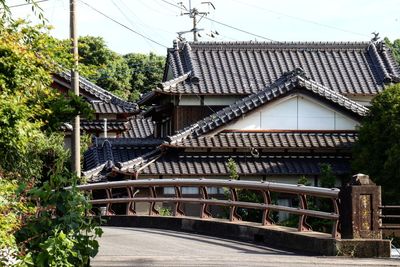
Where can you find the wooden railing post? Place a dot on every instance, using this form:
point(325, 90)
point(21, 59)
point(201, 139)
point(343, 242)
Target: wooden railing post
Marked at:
point(359, 209)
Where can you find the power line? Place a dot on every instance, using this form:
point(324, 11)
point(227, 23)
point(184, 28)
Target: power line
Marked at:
point(302, 19)
point(28, 4)
point(127, 18)
point(244, 31)
point(123, 25)
point(223, 24)
point(172, 4)
point(142, 23)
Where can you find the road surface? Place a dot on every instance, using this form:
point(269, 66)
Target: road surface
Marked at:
point(152, 247)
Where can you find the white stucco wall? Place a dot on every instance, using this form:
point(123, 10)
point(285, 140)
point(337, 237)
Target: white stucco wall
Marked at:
point(296, 112)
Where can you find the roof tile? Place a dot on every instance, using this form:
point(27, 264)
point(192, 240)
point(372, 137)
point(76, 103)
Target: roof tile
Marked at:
point(247, 67)
point(139, 128)
point(213, 165)
point(273, 140)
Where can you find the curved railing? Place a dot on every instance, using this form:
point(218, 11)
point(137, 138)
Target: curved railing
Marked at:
point(203, 199)
point(390, 217)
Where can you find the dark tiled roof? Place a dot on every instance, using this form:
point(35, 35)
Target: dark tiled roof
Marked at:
point(139, 128)
point(98, 126)
point(147, 97)
point(115, 150)
point(107, 101)
point(108, 108)
point(289, 82)
point(273, 140)
point(247, 67)
point(215, 165)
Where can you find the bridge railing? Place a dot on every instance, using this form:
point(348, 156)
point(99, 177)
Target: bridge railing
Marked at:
point(233, 203)
point(390, 216)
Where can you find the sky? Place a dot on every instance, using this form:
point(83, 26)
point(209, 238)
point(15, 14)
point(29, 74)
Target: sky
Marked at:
point(160, 20)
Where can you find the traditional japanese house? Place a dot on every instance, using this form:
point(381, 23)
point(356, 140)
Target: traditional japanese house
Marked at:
point(111, 113)
point(279, 110)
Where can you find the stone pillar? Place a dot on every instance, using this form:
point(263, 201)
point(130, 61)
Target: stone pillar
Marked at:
point(359, 209)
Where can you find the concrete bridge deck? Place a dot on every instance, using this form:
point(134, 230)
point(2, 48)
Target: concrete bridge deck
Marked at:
point(153, 247)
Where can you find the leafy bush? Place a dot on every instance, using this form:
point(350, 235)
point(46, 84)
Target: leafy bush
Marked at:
point(377, 151)
point(42, 224)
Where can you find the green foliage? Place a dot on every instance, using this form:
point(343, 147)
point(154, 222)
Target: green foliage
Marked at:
point(232, 168)
point(303, 180)
point(57, 250)
point(102, 66)
point(251, 215)
point(11, 207)
point(165, 211)
point(41, 218)
point(65, 109)
point(62, 249)
point(61, 233)
point(146, 70)
point(127, 76)
point(395, 47)
point(377, 151)
point(327, 178)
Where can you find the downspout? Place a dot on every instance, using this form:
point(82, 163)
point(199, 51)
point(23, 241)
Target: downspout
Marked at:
point(105, 128)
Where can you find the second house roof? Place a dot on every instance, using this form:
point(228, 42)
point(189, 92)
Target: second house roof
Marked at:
point(231, 68)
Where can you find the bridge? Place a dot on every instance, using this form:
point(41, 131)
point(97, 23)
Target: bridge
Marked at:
point(144, 247)
point(355, 214)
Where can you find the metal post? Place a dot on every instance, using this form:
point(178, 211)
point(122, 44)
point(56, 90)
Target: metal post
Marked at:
point(76, 146)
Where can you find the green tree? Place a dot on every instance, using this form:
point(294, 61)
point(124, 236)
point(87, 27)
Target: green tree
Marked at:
point(232, 169)
point(304, 181)
point(38, 215)
point(102, 66)
point(395, 47)
point(327, 178)
point(128, 76)
point(377, 151)
point(146, 72)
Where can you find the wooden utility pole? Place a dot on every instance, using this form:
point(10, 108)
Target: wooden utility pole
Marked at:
point(76, 134)
point(193, 13)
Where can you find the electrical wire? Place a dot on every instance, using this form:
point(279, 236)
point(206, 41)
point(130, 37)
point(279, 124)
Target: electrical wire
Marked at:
point(240, 30)
point(129, 20)
point(27, 4)
point(300, 19)
point(123, 25)
point(140, 23)
point(174, 5)
point(224, 24)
